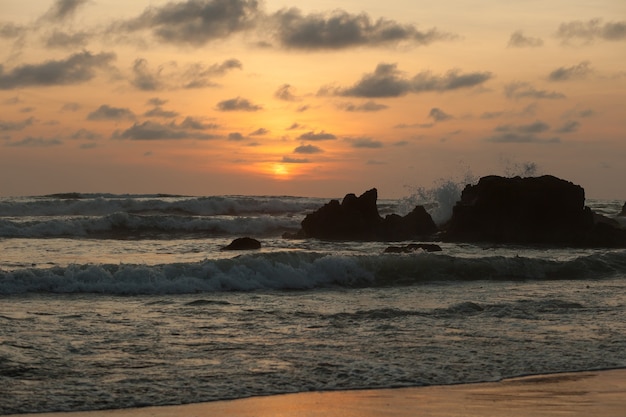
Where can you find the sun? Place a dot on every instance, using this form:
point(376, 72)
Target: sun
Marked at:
point(280, 171)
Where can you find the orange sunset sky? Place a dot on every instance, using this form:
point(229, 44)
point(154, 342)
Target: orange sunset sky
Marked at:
point(275, 97)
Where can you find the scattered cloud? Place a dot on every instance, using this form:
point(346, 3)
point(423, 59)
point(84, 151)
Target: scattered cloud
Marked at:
point(35, 142)
point(155, 101)
point(340, 29)
point(290, 160)
point(518, 90)
point(317, 136)
point(260, 132)
point(75, 69)
point(285, 92)
point(439, 115)
point(159, 112)
point(64, 40)
point(155, 131)
point(579, 71)
point(195, 124)
point(308, 149)
point(388, 81)
point(193, 22)
point(71, 107)
point(170, 75)
point(8, 126)
point(591, 30)
point(106, 112)
point(295, 126)
point(63, 9)
point(85, 134)
point(9, 30)
point(365, 143)
point(519, 40)
point(237, 104)
point(569, 127)
point(527, 133)
point(236, 136)
point(368, 106)
point(536, 127)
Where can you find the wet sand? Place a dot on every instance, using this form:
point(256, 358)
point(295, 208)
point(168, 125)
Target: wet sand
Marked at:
point(591, 393)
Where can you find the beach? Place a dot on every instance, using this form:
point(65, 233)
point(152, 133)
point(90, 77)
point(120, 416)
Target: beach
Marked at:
point(597, 393)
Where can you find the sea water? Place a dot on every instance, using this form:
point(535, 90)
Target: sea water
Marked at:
point(110, 301)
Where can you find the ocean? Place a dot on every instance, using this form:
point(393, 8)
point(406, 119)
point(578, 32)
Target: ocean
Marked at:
point(113, 301)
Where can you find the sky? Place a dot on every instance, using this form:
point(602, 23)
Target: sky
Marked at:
point(324, 98)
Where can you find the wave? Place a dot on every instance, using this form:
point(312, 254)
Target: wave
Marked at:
point(295, 270)
point(126, 225)
point(73, 204)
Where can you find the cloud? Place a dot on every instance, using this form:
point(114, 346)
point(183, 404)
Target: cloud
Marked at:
point(71, 107)
point(237, 104)
point(235, 136)
point(285, 92)
point(308, 149)
point(439, 115)
point(295, 126)
point(317, 136)
point(388, 81)
point(106, 112)
point(58, 39)
point(369, 106)
point(155, 101)
point(519, 40)
point(569, 127)
point(260, 132)
point(365, 143)
point(169, 75)
point(85, 134)
point(198, 76)
point(290, 160)
point(517, 90)
point(195, 124)
point(193, 22)
point(536, 127)
point(75, 69)
point(144, 79)
point(9, 30)
point(340, 29)
point(579, 71)
point(527, 133)
point(159, 112)
point(155, 131)
point(63, 9)
point(590, 30)
point(8, 126)
point(35, 142)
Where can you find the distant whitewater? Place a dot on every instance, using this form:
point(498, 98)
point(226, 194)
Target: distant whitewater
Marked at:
point(127, 300)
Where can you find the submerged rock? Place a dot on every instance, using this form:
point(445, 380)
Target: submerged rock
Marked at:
point(357, 218)
point(412, 247)
point(243, 243)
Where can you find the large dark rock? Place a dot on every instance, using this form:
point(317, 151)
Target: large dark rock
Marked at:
point(357, 218)
point(535, 210)
point(623, 213)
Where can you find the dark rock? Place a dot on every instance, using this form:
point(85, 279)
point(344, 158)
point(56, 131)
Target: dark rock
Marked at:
point(357, 218)
point(243, 243)
point(412, 247)
point(534, 210)
point(623, 213)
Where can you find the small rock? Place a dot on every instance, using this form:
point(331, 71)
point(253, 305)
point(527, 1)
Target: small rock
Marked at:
point(243, 243)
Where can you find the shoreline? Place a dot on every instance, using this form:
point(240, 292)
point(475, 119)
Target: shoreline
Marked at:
point(601, 393)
